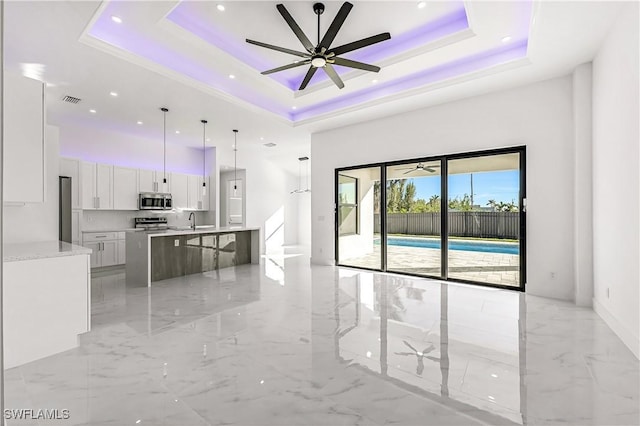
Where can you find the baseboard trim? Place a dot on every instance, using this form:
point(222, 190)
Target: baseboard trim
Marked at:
point(627, 337)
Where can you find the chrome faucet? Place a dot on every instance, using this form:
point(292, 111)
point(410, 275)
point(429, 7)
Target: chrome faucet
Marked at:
point(193, 215)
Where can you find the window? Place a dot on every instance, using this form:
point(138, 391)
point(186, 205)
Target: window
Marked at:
point(347, 205)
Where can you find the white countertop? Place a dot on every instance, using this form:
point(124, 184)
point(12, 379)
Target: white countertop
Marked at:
point(41, 250)
point(169, 232)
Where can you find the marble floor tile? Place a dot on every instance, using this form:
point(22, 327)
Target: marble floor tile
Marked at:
point(286, 343)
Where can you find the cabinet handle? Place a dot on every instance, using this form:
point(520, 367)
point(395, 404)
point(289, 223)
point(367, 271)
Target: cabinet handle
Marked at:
point(101, 236)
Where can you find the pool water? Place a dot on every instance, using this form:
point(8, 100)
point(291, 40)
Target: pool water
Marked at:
point(465, 245)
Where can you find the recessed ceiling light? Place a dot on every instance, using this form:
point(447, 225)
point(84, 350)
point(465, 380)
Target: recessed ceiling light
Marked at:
point(116, 19)
point(294, 107)
point(374, 81)
point(177, 132)
point(114, 94)
point(261, 138)
point(220, 7)
point(231, 76)
point(208, 139)
point(506, 39)
point(92, 111)
point(422, 4)
point(139, 122)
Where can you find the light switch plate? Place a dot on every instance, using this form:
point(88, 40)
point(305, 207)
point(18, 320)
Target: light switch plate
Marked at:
point(176, 243)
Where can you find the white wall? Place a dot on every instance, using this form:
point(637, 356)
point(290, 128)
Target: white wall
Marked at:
point(267, 192)
point(616, 179)
point(37, 222)
point(539, 116)
point(124, 150)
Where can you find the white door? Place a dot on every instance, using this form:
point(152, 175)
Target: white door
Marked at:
point(125, 188)
point(109, 253)
point(89, 186)
point(146, 181)
point(104, 186)
point(95, 253)
point(234, 202)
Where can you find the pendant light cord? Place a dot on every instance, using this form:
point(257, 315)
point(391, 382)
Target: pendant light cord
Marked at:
point(164, 148)
point(235, 159)
point(204, 136)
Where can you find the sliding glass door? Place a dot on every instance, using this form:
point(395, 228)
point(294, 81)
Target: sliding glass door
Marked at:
point(453, 217)
point(413, 218)
point(358, 208)
point(484, 219)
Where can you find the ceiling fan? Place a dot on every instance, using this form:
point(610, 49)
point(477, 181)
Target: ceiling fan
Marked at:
point(419, 166)
point(323, 55)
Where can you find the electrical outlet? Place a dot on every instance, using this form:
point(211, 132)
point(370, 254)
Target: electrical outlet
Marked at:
point(176, 243)
point(552, 275)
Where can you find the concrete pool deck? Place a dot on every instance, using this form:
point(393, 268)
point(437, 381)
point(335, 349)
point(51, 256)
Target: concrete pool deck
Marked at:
point(493, 268)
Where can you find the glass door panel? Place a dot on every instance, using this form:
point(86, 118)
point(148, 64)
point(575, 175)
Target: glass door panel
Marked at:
point(358, 213)
point(413, 197)
point(484, 219)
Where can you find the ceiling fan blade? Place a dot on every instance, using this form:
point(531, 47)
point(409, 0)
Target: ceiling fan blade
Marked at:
point(360, 43)
point(335, 26)
point(406, 168)
point(430, 170)
point(412, 170)
point(333, 75)
point(296, 29)
point(279, 49)
point(286, 67)
point(355, 64)
point(307, 78)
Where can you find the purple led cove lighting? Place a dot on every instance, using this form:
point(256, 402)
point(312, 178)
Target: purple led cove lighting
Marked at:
point(188, 17)
point(185, 16)
point(127, 38)
point(500, 55)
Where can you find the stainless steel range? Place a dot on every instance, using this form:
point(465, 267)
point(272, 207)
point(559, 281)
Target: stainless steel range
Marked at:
point(151, 223)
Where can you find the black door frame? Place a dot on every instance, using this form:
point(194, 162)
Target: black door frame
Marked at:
point(444, 159)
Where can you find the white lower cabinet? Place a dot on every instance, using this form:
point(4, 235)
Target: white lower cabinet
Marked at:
point(107, 248)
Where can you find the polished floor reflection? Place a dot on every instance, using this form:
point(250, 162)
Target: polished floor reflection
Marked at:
point(283, 343)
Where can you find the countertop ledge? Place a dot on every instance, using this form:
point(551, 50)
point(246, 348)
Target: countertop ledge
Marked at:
point(110, 230)
point(223, 230)
point(41, 250)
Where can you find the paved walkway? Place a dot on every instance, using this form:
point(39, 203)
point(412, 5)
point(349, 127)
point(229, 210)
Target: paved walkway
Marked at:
point(494, 268)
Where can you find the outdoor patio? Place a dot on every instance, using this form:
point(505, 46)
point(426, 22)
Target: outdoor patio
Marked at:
point(494, 268)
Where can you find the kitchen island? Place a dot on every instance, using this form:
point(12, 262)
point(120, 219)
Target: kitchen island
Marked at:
point(159, 255)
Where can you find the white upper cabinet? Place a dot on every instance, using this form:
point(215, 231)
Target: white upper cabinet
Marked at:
point(180, 190)
point(24, 174)
point(71, 167)
point(151, 181)
point(97, 186)
point(125, 188)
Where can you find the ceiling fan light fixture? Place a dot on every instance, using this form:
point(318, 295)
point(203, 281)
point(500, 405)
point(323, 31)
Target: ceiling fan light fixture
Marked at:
point(318, 62)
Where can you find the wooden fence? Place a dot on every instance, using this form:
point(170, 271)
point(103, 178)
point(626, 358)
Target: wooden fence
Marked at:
point(461, 224)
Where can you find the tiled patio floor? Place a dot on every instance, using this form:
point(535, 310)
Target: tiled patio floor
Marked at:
point(494, 268)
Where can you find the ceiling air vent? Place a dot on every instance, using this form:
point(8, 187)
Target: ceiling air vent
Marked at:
point(71, 99)
point(269, 145)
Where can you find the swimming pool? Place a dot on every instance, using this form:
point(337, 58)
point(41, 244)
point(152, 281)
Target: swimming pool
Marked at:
point(465, 245)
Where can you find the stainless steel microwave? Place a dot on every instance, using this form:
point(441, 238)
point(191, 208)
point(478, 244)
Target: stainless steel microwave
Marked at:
point(154, 201)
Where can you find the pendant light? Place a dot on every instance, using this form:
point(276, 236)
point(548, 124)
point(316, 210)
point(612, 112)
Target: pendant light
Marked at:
point(235, 162)
point(164, 149)
point(300, 190)
point(204, 136)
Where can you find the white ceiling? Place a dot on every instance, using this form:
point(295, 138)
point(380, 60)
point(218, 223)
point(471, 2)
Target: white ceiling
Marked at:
point(83, 57)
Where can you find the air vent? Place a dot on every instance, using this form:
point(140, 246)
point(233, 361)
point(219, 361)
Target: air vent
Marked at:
point(71, 99)
point(269, 145)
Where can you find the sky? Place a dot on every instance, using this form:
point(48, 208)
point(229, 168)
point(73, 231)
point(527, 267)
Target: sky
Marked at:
point(499, 186)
